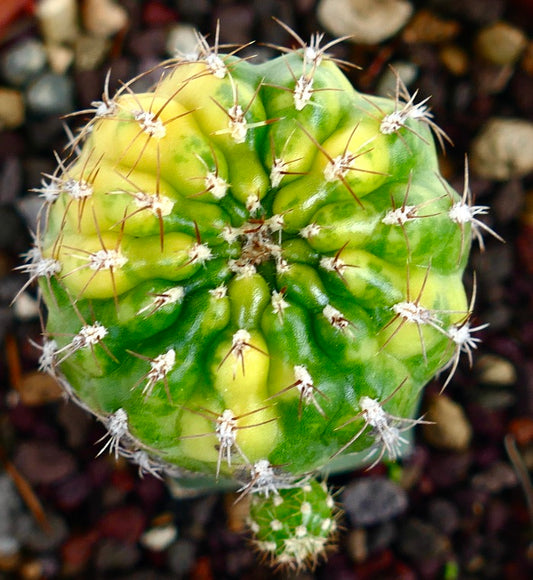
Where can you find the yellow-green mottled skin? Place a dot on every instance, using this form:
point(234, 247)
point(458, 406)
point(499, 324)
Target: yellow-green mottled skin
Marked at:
point(330, 252)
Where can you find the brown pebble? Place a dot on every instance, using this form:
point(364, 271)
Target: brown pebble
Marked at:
point(451, 429)
point(495, 370)
point(32, 570)
point(90, 51)
point(237, 512)
point(104, 17)
point(9, 562)
point(427, 27)
point(11, 109)
point(501, 43)
point(38, 389)
point(356, 544)
point(455, 59)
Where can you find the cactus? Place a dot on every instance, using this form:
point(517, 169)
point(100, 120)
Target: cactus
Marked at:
point(250, 272)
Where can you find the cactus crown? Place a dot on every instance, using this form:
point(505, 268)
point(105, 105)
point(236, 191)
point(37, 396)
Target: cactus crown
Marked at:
point(251, 271)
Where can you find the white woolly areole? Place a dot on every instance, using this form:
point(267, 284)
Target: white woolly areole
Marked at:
point(400, 215)
point(462, 213)
point(277, 172)
point(335, 317)
point(392, 122)
point(413, 313)
point(241, 270)
point(106, 260)
point(303, 91)
point(38, 266)
point(309, 231)
point(159, 205)
point(170, 296)
point(89, 335)
point(305, 508)
point(200, 253)
point(279, 304)
point(117, 427)
point(161, 366)
point(237, 124)
point(216, 65)
point(106, 108)
point(372, 411)
point(219, 292)
point(48, 356)
point(303, 379)
point(78, 189)
point(150, 124)
point(216, 185)
point(253, 203)
point(338, 167)
point(240, 339)
point(49, 190)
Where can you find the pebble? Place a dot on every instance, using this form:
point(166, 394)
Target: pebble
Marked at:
point(51, 94)
point(159, 538)
point(12, 112)
point(104, 17)
point(181, 39)
point(43, 462)
point(427, 27)
point(448, 469)
point(421, 541)
point(455, 59)
point(10, 513)
point(90, 51)
point(365, 21)
point(33, 537)
point(407, 71)
point(494, 370)
point(23, 61)
point(181, 556)
point(503, 149)
point(111, 554)
point(356, 544)
point(451, 429)
point(497, 477)
point(59, 58)
point(521, 429)
point(37, 388)
point(125, 523)
point(444, 515)
point(373, 500)
point(58, 20)
point(76, 552)
point(474, 11)
point(501, 43)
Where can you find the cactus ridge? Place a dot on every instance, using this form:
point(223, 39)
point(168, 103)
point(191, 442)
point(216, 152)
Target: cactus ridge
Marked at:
point(253, 270)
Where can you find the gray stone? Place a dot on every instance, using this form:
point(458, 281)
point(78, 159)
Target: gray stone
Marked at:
point(373, 500)
point(181, 556)
point(366, 21)
point(23, 62)
point(51, 94)
point(503, 149)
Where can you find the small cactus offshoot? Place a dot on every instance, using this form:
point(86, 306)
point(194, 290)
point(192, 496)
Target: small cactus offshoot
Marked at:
point(250, 273)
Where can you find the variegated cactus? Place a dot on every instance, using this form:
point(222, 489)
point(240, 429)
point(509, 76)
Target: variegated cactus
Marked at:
point(250, 273)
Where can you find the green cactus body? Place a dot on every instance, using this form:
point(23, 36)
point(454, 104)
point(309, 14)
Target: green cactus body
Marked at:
point(253, 263)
